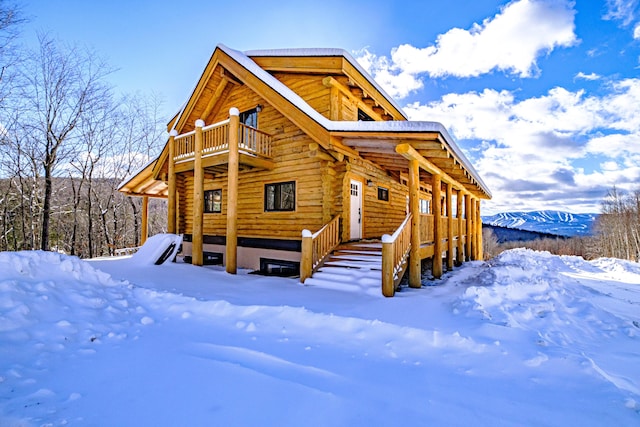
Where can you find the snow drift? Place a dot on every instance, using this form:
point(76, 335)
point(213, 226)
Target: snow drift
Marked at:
point(525, 339)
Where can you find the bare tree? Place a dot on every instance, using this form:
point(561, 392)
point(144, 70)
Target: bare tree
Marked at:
point(62, 85)
point(11, 19)
point(618, 227)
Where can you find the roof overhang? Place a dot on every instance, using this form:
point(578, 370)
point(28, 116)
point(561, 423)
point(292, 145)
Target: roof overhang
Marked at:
point(142, 183)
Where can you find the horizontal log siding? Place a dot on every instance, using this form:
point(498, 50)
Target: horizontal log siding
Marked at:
point(290, 151)
point(310, 88)
point(379, 217)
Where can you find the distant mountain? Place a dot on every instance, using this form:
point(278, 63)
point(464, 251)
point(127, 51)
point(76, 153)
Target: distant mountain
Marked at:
point(552, 222)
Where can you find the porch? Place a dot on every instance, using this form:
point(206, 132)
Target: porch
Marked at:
point(448, 240)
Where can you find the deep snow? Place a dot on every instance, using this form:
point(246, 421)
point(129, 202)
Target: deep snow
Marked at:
point(525, 339)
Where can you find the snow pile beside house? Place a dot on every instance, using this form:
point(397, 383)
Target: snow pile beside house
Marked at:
point(525, 339)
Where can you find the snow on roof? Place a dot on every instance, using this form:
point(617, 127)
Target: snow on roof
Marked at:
point(328, 52)
point(243, 58)
point(345, 126)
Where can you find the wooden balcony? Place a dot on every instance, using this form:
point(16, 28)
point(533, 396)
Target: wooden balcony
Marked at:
point(254, 148)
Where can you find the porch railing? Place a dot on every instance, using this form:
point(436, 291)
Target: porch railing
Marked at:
point(317, 246)
point(215, 139)
point(395, 254)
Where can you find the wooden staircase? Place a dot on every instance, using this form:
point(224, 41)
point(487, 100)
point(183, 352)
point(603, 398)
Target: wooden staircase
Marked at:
point(355, 266)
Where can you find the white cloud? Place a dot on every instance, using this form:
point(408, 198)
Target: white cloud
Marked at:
point(591, 77)
point(546, 151)
point(511, 41)
point(636, 32)
point(621, 10)
point(396, 84)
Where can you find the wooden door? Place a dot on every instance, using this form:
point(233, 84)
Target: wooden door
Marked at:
point(356, 210)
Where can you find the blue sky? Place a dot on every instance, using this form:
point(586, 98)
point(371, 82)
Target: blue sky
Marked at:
point(542, 95)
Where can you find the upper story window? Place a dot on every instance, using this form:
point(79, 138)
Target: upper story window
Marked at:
point(363, 117)
point(250, 118)
point(280, 196)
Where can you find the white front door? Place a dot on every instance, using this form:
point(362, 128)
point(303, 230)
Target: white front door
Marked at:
point(356, 210)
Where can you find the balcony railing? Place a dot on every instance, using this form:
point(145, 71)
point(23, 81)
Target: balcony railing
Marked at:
point(215, 140)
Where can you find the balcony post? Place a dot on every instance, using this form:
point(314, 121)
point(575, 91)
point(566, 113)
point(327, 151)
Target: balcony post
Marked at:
point(232, 193)
point(450, 247)
point(198, 198)
point(437, 225)
point(172, 199)
point(459, 253)
point(415, 267)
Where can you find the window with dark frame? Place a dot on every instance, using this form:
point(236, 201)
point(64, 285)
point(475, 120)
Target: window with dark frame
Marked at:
point(213, 201)
point(280, 197)
point(247, 136)
point(383, 194)
point(250, 118)
point(364, 117)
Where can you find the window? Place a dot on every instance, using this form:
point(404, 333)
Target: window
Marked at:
point(278, 267)
point(383, 194)
point(248, 136)
point(424, 206)
point(363, 117)
point(213, 201)
point(280, 196)
point(250, 118)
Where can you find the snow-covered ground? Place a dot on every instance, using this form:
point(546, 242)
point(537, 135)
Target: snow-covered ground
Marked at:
point(527, 339)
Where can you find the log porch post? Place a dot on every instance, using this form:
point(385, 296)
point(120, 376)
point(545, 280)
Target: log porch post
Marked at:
point(437, 225)
point(172, 199)
point(232, 193)
point(479, 252)
point(450, 247)
point(198, 198)
point(474, 237)
point(144, 232)
point(415, 269)
point(460, 251)
point(468, 216)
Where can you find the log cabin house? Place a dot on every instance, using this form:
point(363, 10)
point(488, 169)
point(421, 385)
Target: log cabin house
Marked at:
point(278, 156)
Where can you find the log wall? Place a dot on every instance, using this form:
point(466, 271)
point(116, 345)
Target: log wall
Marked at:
point(293, 163)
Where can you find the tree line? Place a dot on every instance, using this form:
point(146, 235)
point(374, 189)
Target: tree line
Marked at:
point(66, 141)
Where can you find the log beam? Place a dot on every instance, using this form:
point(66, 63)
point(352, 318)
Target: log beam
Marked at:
point(408, 152)
point(330, 82)
point(215, 98)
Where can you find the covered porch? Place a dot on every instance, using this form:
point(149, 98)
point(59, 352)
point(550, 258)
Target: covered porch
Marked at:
point(448, 231)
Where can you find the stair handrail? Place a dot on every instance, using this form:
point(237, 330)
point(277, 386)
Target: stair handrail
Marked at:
point(317, 246)
point(395, 253)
